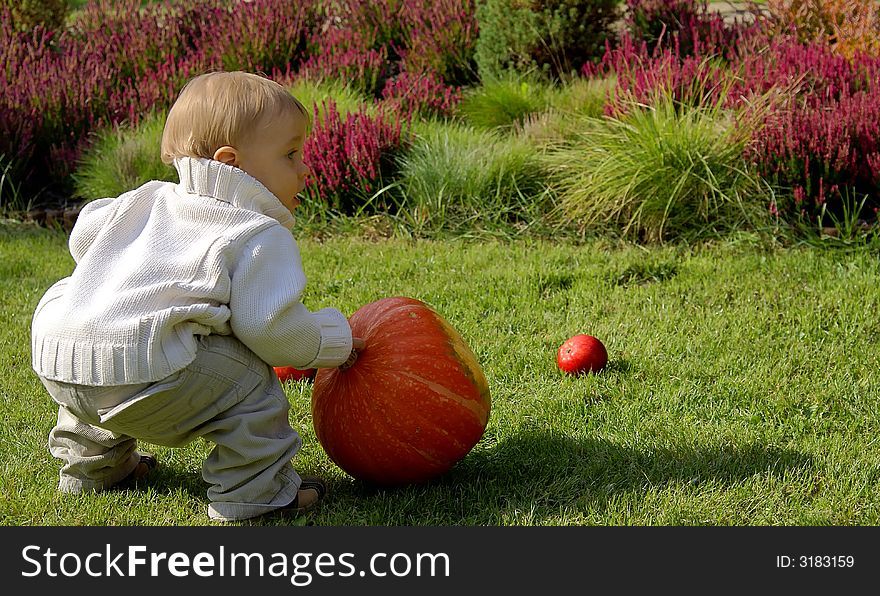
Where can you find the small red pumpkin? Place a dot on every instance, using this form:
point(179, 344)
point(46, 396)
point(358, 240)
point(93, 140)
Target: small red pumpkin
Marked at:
point(412, 405)
point(582, 353)
point(286, 373)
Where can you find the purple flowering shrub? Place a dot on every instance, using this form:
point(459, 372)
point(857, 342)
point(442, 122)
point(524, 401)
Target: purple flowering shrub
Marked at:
point(687, 24)
point(440, 37)
point(424, 95)
point(369, 43)
point(824, 144)
point(352, 157)
point(640, 74)
point(120, 61)
point(348, 55)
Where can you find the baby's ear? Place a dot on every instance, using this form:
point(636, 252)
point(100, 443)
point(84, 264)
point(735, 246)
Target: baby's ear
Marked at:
point(227, 155)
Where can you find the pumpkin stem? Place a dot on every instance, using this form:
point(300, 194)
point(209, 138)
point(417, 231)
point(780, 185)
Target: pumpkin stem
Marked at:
point(352, 358)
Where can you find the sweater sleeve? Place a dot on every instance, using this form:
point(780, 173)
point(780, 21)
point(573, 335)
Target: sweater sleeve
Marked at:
point(267, 314)
point(89, 222)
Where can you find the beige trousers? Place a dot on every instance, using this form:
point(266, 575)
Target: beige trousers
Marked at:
point(227, 396)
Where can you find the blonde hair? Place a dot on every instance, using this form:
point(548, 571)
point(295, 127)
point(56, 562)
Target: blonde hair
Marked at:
point(223, 108)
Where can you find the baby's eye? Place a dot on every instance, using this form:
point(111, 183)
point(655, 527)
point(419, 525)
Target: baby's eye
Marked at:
point(291, 154)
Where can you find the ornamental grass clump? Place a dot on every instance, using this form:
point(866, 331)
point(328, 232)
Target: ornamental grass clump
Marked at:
point(346, 98)
point(122, 158)
point(352, 158)
point(462, 180)
point(505, 102)
point(660, 171)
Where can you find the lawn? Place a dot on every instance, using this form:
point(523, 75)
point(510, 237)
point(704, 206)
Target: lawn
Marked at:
point(741, 387)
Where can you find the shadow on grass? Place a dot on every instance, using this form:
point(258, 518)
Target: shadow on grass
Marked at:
point(544, 473)
point(541, 473)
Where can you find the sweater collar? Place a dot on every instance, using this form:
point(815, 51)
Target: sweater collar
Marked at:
point(211, 178)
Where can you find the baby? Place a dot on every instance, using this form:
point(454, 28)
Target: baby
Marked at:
point(183, 298)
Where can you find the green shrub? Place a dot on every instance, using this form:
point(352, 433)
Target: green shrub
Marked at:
point(27, 14)
point(552, 37)
point(121, 159)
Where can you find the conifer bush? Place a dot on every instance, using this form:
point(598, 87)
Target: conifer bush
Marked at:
point(27, 14)
point(552, 37)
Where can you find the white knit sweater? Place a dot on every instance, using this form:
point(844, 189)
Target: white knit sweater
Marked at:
point(164, 263)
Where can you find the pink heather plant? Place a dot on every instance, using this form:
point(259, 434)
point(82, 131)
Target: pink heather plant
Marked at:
point(351, 157)
point(688, 25)
point(120, 61)
point(348, 55)
point(424, 94)
point(423, 35)
point(440, 36)
point(641, 74)
point(825, 146)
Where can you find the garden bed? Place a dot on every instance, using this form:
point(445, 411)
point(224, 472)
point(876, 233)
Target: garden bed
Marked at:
point(419, 72)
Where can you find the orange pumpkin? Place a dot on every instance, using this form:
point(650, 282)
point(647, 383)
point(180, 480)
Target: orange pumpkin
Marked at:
point(412, 405)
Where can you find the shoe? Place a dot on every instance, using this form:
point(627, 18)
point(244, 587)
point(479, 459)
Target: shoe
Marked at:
point(303, 501)
point(311, 491)
point(147, 464)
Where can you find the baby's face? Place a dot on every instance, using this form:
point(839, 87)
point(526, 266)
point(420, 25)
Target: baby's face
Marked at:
point(275, 158)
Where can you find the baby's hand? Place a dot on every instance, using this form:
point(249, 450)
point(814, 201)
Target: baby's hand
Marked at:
point(357, 344)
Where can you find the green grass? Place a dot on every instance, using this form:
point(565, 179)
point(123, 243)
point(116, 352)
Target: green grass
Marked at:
point(741, 390)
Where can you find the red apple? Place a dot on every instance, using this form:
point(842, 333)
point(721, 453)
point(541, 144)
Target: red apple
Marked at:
point(290, 373)
point(582, 353)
